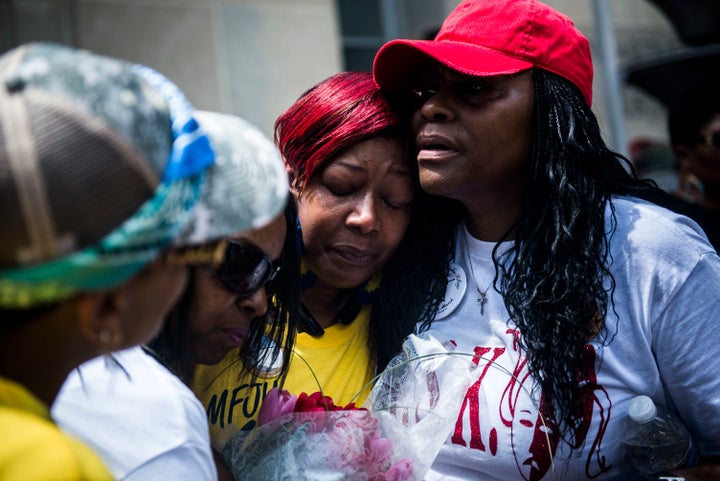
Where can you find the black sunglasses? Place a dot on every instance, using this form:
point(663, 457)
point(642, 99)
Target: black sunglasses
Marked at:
point(710, 140)
point(241, 267)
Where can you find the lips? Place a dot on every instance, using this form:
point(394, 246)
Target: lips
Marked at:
point(433, 147)
point(236, 336)
point(354, 255)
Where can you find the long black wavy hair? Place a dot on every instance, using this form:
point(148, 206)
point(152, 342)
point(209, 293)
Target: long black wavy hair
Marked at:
point(279, 324)
point(552, 279)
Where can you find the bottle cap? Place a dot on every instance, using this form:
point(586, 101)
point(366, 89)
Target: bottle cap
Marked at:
point(642, 409)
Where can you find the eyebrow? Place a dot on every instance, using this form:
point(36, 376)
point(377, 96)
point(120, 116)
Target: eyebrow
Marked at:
point(404, 170)
point(347, 165)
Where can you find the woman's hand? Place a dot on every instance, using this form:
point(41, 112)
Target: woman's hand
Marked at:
point(223, 471)
point(705, 471)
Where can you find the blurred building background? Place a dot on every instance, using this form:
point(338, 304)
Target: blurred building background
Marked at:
point(254, 57)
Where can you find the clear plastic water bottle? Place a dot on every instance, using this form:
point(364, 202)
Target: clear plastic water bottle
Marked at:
point(657, 440)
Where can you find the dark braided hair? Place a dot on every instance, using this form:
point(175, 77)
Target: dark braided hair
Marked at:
point(171, 347)
point(552, 279)
point(283, 311)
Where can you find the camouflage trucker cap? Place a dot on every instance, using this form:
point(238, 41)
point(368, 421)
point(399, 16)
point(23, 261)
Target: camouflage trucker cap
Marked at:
point(103, 164)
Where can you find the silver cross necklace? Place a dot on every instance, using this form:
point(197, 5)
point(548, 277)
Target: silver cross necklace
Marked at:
point(482, 299)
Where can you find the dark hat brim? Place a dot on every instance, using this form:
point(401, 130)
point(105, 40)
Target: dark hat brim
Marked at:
point(667, 77)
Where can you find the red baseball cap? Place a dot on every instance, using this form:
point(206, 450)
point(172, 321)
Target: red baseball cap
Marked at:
point(494, 37)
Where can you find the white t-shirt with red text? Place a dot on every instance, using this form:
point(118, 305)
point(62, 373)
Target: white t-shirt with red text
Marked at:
point(663, 341)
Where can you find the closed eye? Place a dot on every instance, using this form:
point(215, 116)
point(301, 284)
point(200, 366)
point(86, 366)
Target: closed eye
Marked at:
point(341, 192)
point(396, 203)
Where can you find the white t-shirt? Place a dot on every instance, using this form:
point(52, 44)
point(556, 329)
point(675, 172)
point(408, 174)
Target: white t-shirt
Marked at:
point(143, 422)
point(666, 345)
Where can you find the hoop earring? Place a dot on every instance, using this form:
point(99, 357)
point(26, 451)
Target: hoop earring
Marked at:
point(105, 338)
point(693, 190)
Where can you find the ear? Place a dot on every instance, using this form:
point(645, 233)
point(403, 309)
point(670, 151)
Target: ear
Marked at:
point(99, 317)
point(292, 179)
point(684, 158)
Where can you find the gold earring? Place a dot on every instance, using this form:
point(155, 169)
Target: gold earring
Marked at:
point(105, 338)
point(110, 341)
point(693, 189)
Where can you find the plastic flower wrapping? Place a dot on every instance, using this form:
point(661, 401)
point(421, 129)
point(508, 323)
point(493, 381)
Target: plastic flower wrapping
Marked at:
point(394, 436)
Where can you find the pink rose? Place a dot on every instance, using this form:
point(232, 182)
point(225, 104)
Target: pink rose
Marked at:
point(358, 420)
point(277, 403)
point(400, 471)
point(379, 453)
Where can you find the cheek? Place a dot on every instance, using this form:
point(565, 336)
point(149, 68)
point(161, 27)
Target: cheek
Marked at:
point(394, 231)
point(155, 296)
point(175, 283)
point(208, 303)
point(169, 286)
point(710, 160)
point(522, 120)
point(316, 222)
point(416, 120)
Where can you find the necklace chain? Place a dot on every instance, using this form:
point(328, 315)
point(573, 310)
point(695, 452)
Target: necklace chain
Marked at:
point(482, 299)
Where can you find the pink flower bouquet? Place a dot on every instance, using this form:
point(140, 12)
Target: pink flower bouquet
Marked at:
point(394, 437)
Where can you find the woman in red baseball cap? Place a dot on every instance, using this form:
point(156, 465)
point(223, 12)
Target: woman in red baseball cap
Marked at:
point(580, 286)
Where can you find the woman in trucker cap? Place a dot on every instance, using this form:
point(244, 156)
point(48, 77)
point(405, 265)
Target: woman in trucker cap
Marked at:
point(102, 167)
point(161, 431)
point(581, 287)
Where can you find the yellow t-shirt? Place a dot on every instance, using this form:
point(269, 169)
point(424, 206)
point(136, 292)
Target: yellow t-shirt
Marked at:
point(339, 359)
point(34, 449)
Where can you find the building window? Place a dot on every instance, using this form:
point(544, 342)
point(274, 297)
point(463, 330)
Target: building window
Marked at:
point(366, 25)
point(35, 21)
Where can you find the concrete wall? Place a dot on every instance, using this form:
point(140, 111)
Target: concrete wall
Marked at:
point(640, 31)
point(254, 57)
point(250, 58)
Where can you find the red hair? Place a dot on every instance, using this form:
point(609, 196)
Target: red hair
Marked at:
point(330, 117)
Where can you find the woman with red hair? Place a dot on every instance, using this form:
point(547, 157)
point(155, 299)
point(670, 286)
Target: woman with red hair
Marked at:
point(365, 231)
